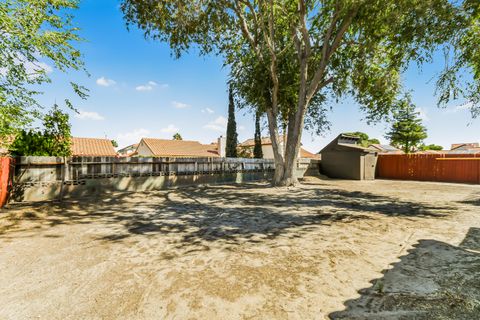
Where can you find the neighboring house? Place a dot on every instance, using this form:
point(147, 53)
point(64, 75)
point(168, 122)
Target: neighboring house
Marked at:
point(247, 146)
point(92, 147)
point(150, 147)
point(345, 158)
point(385, 149)
point(128, 151)
point(465, 148)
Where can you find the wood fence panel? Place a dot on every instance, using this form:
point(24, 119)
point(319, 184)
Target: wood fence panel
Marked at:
point(461, 168)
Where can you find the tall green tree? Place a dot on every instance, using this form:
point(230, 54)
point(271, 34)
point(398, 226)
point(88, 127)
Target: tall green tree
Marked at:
point(54, 140)
point(35, 36)
point(303, 54)
point(232, 137)
point(407, 132)
point(257, 149)
point(177, 136)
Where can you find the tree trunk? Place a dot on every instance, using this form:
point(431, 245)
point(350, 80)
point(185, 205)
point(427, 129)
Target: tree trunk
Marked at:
point(277, 153)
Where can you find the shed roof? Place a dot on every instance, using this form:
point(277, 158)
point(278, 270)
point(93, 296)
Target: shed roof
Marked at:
point(180, 148)
point(92, 147)
point(347, 142)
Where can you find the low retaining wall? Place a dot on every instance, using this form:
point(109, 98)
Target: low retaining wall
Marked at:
point(52, 178)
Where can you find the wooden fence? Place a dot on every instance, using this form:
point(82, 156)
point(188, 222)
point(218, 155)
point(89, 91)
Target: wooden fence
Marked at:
point(5, 179)
point(460, 168)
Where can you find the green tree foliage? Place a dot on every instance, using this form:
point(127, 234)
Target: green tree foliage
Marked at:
point(177, 136)
point(33, 34)
point(407, 132)
point(54, 140)
point(257, 149)
point(114, 143)
point(431, 147)
point(365, 140)
point(232, 137)
point(289, 59)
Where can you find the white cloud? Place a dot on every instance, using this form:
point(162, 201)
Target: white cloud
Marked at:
point(208, 110)
point(105, 82)
point(128, 138)
point(180, 105)
point(422, 113)
point(150, 85)
point(463, 107)
point(89, 115)
point(170, 129)
point(219, 124)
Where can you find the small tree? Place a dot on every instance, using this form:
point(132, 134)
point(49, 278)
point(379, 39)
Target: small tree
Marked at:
point(431, 147)
point(54, 140)
point(365, 140)
point(232, 137)
point(407, 132)
point(257, 150)
point(177, 136)
point(114, 143)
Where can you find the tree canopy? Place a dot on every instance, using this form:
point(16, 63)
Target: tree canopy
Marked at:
point(53, 140)
point(232, 136)
point(177, 136)
point(407, 132)
point(289, 59)
point(33, 34)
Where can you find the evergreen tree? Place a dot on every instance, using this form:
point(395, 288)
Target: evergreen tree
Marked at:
point(231, 145)
point(407, 132)
point(177, 136)
point(257, 150)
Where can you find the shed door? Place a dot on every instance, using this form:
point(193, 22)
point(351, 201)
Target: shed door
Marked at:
point(370, 164)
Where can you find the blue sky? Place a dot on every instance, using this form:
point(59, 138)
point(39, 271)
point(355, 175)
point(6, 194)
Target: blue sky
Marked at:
point(138, 90)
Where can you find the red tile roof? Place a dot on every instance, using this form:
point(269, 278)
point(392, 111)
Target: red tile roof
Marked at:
point(92, 147)
point(180, 148)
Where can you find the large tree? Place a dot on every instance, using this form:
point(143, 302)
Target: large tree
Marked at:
point(35, 36)
point(407, 132)
point(301, 54)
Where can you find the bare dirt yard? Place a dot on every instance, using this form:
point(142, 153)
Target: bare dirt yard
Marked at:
point(327, 249)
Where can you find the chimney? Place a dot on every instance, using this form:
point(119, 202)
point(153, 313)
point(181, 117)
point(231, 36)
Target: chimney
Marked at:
point(222, 145)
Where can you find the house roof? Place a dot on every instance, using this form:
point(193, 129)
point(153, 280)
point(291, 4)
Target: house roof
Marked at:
point(251, 142)
point(92, 147)
point(267, 141)
point(180, 148)
point(471, 145)
point(307, 154)
point(131, 147)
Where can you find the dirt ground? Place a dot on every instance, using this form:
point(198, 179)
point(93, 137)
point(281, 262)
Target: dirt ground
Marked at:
point(327, 249)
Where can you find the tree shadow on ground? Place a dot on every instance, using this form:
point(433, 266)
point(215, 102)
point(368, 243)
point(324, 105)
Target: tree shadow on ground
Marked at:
point(472, 201)
point(231, 214)
point(435, 280)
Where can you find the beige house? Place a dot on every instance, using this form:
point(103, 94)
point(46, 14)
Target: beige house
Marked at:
point(247, 148)
point(150, 147)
